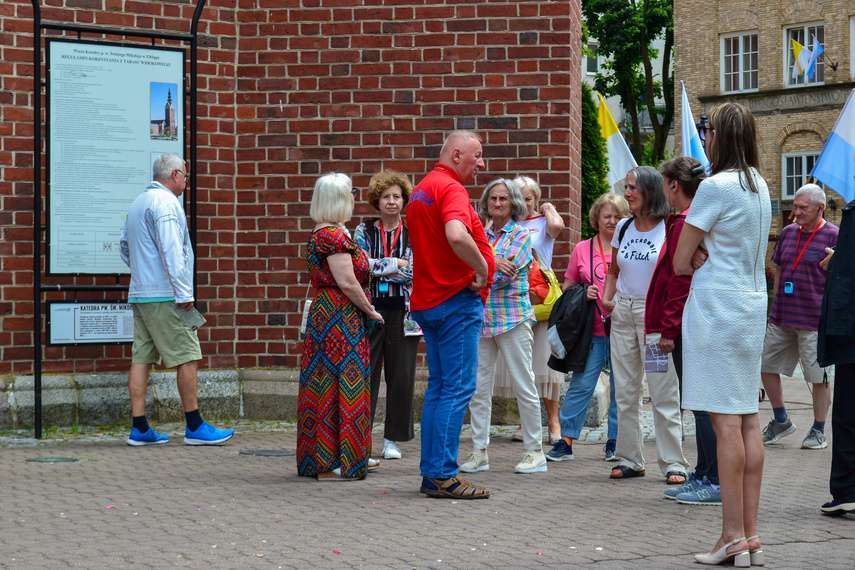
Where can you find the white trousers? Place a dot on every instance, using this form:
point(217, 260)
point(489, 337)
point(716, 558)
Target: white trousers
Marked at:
point(515, 348)
point(627, 355)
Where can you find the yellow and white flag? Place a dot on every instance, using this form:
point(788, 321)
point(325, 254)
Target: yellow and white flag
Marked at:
point(802, 56)
point(620, 159)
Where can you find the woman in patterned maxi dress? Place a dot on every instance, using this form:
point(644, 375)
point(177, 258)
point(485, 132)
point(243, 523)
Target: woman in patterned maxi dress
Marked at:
point(334, 402)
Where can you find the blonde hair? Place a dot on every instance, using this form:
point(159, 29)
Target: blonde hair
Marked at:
point(331, 199)
point(524, 182)
point(616, 201)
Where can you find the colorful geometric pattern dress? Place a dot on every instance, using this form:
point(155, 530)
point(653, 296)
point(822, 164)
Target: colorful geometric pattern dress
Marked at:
point(334, 415)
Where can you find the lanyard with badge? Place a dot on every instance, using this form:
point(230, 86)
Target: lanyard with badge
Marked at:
point(383, 286)
point(788, 285)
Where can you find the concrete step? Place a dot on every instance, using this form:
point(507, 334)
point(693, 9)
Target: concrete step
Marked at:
point(102, 399)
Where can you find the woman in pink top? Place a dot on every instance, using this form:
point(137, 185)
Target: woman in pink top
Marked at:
point(604, 216)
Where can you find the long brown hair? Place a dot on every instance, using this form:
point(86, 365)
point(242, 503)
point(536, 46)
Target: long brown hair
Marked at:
point(735, 146)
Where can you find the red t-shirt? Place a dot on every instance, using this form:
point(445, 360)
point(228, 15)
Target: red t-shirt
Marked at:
point(438, 274)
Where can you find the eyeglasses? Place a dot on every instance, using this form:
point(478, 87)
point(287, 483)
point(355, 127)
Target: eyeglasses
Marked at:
point(186, 176)
point(354, 191)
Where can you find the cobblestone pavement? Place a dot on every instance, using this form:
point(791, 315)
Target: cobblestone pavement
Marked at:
point(213, 507)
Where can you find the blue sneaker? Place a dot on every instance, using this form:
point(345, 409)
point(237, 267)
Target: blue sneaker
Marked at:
point(690, 486)
point(706, 495)
point(560, 452)
point(610, 450)
point(207, 435)
point(150, 437)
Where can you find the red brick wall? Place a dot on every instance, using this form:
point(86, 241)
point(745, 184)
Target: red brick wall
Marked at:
point(289, 90)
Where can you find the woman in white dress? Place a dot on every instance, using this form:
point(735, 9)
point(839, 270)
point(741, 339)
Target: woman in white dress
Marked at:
point(544, 224)
point(724, 321)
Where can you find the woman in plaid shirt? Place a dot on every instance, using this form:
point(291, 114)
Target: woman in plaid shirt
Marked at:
point(507, 329)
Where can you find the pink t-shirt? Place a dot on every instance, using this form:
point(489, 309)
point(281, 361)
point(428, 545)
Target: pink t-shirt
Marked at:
point(579, 270)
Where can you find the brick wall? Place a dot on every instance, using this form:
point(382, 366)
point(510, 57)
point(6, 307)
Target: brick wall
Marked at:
point(289, 90)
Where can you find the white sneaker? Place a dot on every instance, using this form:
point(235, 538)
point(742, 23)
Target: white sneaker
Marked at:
point(477, 461)
point(373, 465)
point(532, 462)
point(390, 450)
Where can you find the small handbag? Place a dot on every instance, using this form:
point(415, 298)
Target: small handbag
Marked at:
point(544, 309)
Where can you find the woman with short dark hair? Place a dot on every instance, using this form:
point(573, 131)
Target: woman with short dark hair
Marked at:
point(638, 242)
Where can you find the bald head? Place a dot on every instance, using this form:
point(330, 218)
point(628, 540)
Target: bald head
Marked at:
point(462, 153)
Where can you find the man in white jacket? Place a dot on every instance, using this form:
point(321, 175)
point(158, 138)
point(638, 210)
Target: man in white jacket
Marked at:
point(156, 246)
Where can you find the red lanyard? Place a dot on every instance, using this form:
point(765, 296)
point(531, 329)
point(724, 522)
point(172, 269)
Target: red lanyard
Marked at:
point(397, 235)
point(602, 256)
point(495, 241)
point(796, 262)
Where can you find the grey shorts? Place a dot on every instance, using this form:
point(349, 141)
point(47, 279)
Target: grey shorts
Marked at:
point(160, 334)
point(783, 347)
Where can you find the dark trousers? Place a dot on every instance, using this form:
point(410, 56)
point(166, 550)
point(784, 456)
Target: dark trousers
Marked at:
point(395, 354)
point(704, 433)
point(842, 481)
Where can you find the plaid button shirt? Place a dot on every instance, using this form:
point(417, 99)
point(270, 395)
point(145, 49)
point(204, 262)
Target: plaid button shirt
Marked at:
point(508, 303)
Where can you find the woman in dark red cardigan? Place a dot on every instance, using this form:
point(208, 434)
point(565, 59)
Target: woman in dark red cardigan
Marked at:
point(664, 315)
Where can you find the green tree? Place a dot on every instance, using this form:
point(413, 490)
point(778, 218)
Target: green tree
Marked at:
point(626, 30)
point(594, 161)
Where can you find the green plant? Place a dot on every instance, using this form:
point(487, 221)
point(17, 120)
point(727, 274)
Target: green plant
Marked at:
point(594, 160)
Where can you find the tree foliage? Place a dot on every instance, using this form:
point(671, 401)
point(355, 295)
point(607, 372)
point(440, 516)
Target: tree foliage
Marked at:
point(626, 30)
point(594, 161)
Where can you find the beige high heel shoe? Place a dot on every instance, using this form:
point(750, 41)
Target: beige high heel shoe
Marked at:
point(741, 558)
point(757, 558)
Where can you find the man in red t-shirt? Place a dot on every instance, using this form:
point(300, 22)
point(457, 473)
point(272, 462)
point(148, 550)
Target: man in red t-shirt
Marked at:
point(453, 267)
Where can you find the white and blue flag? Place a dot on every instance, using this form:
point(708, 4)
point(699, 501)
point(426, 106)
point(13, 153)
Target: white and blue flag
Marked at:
point(836, 165)
point(691, 140)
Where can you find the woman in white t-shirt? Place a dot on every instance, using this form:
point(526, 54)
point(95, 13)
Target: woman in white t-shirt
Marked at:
point(544, 224)
point(638, 241)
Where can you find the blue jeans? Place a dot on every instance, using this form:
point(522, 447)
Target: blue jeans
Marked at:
point(578, 396)
point(452, 331)
point(704, 434)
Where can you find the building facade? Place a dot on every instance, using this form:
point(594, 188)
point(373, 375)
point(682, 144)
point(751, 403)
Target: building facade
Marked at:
point(733, 50)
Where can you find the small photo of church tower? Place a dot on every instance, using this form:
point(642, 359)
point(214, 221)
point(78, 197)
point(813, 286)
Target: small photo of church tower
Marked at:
point(164, 125)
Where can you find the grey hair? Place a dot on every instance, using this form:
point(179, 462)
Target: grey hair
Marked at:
point(457, 137)
point(649, 183)
point(518, 207)
point(531, 184)
point(814, 192)
point(164, 165)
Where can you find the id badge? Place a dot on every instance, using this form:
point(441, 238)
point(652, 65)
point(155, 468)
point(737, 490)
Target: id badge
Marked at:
point(383, 287)
point(788, 287)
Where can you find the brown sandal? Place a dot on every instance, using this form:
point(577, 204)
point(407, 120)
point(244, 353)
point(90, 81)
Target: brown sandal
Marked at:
point(454, 488)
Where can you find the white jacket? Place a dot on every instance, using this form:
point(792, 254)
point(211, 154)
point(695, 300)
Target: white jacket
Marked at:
point(156, 246)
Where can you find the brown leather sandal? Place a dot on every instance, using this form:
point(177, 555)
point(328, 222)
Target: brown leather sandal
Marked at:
point(454, 488)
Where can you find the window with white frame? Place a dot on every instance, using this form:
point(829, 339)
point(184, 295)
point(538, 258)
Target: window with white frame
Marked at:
point(852, 48)
point(795, 169)
point(740, 62)
point(803, 34)
point(592, 62)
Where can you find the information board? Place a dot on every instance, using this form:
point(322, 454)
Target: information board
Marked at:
point(112, 110)
point(87, 322)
